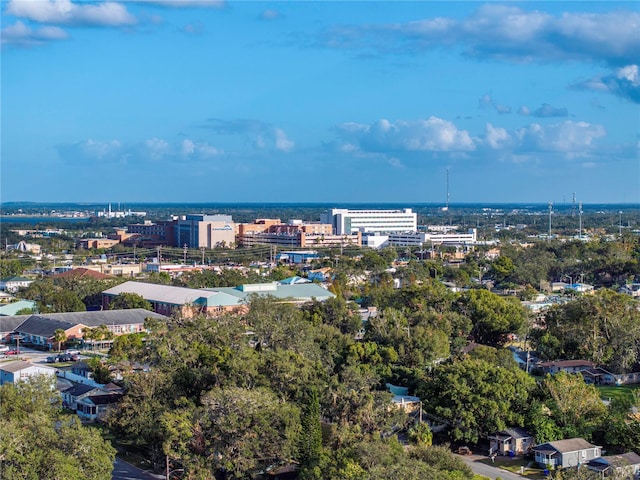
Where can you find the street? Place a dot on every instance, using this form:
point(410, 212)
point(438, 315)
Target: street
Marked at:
point(488, 471)
point(125, 471)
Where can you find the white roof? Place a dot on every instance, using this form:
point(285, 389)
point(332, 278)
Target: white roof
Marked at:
point(161, 293)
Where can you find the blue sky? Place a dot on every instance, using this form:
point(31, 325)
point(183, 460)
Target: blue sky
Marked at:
point(212, 101)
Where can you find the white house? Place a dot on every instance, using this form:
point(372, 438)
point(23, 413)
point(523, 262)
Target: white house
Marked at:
point(12, 284)
point(13, 372)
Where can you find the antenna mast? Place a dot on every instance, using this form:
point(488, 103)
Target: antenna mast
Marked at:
point(447, 206)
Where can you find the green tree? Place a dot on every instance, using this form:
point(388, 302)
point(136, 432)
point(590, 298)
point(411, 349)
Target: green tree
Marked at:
point(59, 336)
point(247, 430)
point(38, 442)
point(576, 406)
point(311, 437)
point(421, 434)
point(477, 397)
point(126, 300)
point(493, 317)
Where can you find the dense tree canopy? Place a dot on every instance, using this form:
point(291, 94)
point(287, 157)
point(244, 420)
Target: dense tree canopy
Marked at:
point(39, 442)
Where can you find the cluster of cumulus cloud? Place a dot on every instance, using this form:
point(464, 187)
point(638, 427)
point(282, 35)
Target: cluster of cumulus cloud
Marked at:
point(382, 139)
point(494, 31)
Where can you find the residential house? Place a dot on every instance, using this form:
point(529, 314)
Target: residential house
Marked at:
point(401, 399)
point(12, 284)
point(95, 407)
point(18, 370)
point(71, 395)
point(598, 376)
point(625, 464)
point(568, 366)
point(566, 453)
point(511, 440)
point(320, 274)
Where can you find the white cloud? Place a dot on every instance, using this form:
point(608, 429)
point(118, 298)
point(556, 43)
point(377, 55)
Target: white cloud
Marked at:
point(185, 3)
point(496, 138)
point(282, 142)
point(487, 101)
point(547, 111)
point(23, 35)
point(571, 138)
point(262, 135)
point(65, 12)
point(433, 134)
point(270, 14)
point(507, 33)
point(623, 82)
point(153, 150)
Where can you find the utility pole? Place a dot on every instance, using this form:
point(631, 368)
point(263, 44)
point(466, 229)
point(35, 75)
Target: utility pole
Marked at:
point(580, 221)
point(184, 254)
point(620, 224)
point(550, 212)
point(159, 257)
point(202, 250)
point(134, 253)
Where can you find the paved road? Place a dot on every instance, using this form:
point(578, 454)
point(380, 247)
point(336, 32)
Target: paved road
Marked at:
point(125, 471)
point(488, 470)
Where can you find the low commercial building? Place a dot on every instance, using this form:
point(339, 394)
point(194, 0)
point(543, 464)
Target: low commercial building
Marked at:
point(213, 301)
point(167, 300)
point(39, 329)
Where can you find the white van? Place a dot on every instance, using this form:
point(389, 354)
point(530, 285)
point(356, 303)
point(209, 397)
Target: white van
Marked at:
point(4, 348)
point(72, 352)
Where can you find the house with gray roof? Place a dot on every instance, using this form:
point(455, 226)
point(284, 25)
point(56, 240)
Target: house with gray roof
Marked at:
point(511, 440)
point(20, 370)
point(566, 453)
point(625, 464)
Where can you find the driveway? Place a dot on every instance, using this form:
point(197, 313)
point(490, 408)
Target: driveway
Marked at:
point(125, 471)
point(488, 471)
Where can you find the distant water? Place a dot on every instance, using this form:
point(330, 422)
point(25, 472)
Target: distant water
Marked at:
point(40, 219)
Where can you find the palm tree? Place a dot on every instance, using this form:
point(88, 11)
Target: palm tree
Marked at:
point(89, 335)
point(59, 336)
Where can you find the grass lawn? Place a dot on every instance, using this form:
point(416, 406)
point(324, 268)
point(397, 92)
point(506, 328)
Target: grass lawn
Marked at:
point(623, 391)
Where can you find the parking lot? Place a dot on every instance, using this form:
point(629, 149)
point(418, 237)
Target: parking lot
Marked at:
point(30, 355)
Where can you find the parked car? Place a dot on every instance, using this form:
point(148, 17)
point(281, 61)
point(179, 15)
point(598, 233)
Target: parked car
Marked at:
point(66, 357)
point(464, 450)
point(4, 349)
point(13, 352)
point(52, 359)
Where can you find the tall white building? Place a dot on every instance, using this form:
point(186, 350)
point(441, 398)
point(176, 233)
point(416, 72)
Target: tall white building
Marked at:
point(345, 221)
